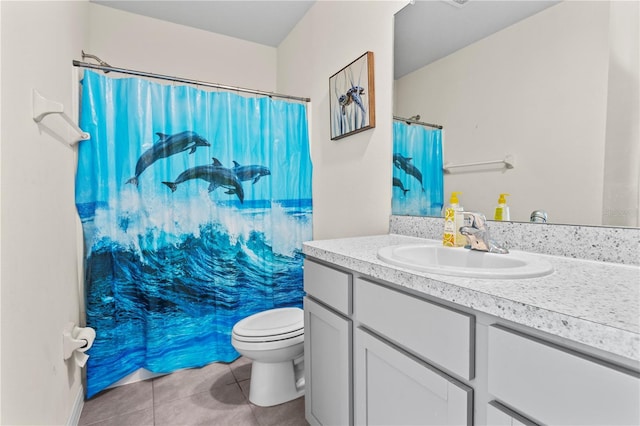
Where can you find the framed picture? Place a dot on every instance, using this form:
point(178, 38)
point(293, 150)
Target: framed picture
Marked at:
point(351, 96)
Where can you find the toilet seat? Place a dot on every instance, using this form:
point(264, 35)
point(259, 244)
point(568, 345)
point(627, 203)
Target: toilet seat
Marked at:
point(269, 326)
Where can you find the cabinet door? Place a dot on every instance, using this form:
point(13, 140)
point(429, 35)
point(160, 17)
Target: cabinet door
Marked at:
point(394, 388)
point(327, 364)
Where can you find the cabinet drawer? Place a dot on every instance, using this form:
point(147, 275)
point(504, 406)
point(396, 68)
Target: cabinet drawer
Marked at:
point(439, 335)
point(554, 385)
point(328, 285)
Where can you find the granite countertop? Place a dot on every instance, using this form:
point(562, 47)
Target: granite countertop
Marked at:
point(590, 302)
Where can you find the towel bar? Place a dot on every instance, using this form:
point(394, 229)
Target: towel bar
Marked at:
point(43, 107)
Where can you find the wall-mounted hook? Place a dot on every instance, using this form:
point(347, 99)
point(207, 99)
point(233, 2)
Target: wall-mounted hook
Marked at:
point(100, 61)
point(43, 107)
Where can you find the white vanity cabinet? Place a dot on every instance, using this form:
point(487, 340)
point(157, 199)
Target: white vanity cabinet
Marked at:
point(379, 353)
point(327, 345)
point(399, 366)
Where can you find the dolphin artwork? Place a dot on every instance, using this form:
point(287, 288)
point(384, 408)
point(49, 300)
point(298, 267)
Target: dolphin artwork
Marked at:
point(216, 175)
point(166, 146)
point(404, 163)
point(253, 172)
point(398, 183)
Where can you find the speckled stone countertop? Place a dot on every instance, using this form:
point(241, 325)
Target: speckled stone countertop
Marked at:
point(590, 302)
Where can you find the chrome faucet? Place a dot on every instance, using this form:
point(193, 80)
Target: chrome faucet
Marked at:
point(477, 234)
point(538, 216)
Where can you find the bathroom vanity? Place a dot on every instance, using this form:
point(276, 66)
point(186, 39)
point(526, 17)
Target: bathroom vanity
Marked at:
point(388, 345)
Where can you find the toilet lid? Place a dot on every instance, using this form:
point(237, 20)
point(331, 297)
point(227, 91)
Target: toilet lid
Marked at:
point(281, 322)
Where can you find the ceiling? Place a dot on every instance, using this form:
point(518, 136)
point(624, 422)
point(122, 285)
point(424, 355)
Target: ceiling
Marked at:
point(428, 30)
point(424, 31)
point(265, 22)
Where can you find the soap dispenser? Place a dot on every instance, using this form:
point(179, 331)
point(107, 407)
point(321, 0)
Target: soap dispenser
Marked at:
point(453, 220)
point(502, 211)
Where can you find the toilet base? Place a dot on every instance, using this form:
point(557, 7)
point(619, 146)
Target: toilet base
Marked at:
point(276, 383)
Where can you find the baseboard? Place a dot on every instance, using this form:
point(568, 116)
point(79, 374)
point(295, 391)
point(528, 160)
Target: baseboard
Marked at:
point(78, 404)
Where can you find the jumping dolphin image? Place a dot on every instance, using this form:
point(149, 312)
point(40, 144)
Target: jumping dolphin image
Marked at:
point(404, 163)
point(166, 146)
point(397, 182)
point(250, 172)
point(216, 175)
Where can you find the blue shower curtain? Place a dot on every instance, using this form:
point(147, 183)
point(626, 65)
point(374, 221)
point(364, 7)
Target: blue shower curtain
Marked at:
point(194, 205)
point(418, 186)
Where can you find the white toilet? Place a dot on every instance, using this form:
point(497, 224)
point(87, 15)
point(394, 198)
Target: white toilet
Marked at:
point(274, 341)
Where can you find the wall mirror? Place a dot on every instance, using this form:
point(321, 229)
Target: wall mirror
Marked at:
point(551, 85)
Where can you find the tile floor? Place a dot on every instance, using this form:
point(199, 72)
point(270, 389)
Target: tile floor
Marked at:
point(217, 394)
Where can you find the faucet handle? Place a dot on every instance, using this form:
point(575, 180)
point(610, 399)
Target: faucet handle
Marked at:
point(477, 234)
point(478, 219)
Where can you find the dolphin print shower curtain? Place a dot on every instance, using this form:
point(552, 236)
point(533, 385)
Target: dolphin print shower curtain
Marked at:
point(418, 184)
point(194, 205)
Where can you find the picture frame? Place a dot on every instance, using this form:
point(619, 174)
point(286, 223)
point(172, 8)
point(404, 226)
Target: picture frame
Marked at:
point(352, 98)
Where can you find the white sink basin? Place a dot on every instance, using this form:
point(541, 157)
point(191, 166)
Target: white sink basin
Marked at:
point(463, 262)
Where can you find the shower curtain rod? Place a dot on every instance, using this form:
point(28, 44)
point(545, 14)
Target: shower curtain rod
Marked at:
point(410, 121)
point(107, 68)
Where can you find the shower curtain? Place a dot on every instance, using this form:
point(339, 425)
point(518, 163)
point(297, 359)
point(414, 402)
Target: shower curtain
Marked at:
point(194, 205)
point(418, 187)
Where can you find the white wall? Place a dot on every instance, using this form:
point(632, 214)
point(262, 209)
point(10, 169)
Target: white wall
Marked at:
point(351, 176)
point(489, 100)
point(127, 40)
point(622, 157)
point(39, 282)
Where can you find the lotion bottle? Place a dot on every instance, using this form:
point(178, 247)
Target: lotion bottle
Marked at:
point(502, 211)
point(453, 220)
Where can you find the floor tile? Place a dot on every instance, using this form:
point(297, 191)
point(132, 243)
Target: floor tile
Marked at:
point(117, 401)
point(288, 414)
point(225, 405)
point(241, 369)
point(137, 418)
point(217, 394)
point(183, 383)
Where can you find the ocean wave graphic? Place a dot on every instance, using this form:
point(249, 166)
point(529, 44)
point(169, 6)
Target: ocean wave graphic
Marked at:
point(166, 285)
point(147, 222)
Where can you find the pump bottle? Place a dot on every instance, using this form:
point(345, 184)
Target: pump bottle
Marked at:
point(502, 210)
point(453, 220)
